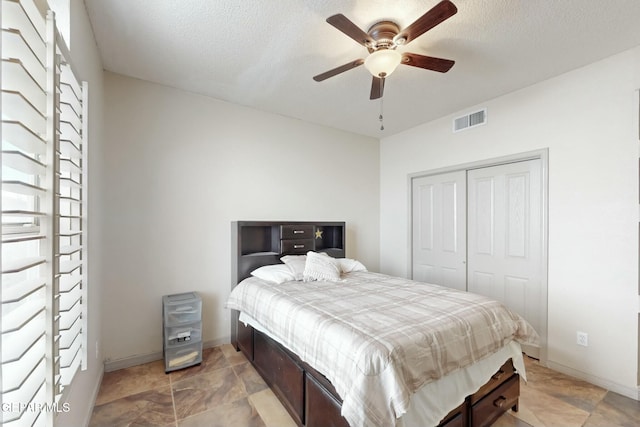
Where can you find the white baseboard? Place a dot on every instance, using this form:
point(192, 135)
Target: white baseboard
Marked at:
point(64, 418)
point(630, 392)
point(94, 397)
point(127, 362)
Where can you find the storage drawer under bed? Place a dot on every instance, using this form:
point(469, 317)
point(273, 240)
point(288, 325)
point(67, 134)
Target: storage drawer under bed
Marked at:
point(456, 418)
point(321, 409)
point(489, 408)
point(503, 374)
point(281, 372)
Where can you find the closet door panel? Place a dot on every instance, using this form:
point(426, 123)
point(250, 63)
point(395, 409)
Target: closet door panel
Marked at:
point(483, 216)
point(450, 232)
point(438, 221)
point(518, 215)
point(505, 236)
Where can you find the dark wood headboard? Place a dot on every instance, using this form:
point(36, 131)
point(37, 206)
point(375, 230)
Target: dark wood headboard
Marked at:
point(258, 243)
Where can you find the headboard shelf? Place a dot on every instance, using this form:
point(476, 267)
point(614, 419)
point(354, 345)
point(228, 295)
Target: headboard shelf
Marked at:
point(271, 238)
point(261, 254)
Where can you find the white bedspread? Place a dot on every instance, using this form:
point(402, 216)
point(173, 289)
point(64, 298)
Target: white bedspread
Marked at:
point(378, 338)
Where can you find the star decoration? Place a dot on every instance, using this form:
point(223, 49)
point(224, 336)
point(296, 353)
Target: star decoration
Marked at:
point(319, 234)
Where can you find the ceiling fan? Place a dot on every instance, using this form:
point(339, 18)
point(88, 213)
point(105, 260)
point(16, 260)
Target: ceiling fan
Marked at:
point(381, 41)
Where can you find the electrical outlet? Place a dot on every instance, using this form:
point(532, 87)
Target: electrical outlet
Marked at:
point(582, 338)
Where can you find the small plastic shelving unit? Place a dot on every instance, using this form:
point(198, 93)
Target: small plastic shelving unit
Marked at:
point(182, 330)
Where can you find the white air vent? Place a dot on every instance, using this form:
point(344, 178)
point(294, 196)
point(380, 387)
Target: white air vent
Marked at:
point(470, 120)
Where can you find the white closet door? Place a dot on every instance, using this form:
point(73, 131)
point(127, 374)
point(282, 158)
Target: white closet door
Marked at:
point(438, 221)
point(505, 237)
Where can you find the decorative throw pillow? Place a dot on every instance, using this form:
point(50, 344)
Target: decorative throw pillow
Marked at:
point(277, 273)
point(347, 265)
point(295, 263)
point(321, 267)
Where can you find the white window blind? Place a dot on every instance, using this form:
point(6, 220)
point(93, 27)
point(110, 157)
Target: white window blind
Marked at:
point(42, 284)
point(69, 246)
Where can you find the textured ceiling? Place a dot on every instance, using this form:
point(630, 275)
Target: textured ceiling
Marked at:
point(263, 53)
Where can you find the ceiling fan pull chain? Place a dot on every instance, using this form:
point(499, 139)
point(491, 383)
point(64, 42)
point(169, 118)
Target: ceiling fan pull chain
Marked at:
point(381, 118)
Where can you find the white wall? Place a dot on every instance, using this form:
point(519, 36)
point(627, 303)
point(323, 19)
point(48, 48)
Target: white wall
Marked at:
point(588, 119)
point(180, 167)
point(86, 59)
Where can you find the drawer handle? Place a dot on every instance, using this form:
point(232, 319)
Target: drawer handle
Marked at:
point(298, 246)
point(498, 375)
point(298, 231)
point(499, 402)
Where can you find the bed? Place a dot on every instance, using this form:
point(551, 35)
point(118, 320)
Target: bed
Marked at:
point(351, 347)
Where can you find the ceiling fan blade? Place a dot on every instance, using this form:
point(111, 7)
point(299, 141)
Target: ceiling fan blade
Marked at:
point(439, 13)
point(338, 70)
point(377, 88)
point(427, 62)
point(343, 24)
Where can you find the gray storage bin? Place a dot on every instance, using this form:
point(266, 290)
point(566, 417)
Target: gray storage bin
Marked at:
point(182, 356)
point(182, 308)
point(178, 335)
point(182, 330)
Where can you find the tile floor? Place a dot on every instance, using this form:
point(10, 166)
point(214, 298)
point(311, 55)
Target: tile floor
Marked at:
point(225, 390)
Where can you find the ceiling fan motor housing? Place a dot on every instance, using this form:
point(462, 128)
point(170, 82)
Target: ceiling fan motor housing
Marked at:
point(383, 33)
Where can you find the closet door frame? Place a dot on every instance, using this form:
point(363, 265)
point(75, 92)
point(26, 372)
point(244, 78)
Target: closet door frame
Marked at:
point(543, 155)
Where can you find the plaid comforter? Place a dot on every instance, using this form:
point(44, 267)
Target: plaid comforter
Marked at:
point(379, 338)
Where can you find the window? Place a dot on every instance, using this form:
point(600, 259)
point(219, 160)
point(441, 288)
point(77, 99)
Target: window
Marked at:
point(42, 286)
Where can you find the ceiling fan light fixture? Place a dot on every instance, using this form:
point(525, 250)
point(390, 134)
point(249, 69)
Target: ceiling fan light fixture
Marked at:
point(382, 62)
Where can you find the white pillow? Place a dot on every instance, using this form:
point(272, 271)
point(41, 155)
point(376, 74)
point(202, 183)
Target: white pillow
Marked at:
point(277, 273)
point(295, 263)
point(347, 265)
point(321, 267)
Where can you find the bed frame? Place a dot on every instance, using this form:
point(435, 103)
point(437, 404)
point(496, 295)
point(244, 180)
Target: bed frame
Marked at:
point(306, 394)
